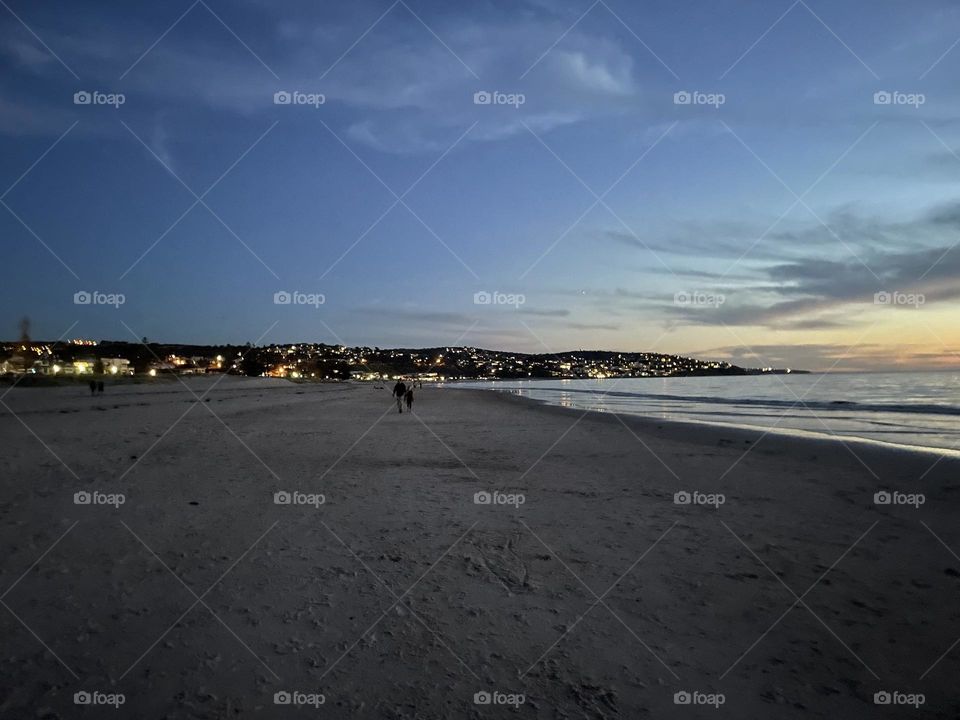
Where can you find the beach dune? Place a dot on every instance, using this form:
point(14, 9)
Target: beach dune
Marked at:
point(482, 548)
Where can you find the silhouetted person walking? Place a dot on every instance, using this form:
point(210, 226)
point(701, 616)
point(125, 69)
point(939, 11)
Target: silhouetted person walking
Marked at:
point(99, 387)
point(408, 396)
point(399, 390)
point(93, 387)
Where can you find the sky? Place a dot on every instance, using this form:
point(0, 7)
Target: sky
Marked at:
point(769, 182)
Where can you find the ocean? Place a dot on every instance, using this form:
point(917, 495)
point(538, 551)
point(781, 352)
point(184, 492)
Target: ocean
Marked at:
point(918, 409)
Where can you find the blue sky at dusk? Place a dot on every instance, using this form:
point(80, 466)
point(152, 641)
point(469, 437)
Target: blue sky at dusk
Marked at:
point(775, 217)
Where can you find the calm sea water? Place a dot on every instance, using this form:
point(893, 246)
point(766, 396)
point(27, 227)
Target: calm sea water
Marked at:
point(918, 409)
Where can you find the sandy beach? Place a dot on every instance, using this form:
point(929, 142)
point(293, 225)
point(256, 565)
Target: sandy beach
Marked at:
point(582, 586)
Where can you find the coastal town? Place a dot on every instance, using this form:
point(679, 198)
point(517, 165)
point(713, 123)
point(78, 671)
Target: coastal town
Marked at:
point(319, 361)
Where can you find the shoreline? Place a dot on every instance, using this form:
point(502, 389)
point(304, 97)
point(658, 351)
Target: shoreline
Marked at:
point(745, 430)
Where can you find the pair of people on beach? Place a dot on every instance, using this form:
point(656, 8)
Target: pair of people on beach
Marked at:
point(403, 393)
point(96, 386)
